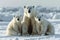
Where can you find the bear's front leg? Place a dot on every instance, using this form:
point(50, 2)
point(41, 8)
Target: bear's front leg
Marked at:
point(34, 31)
point(50, 30)
point(25, 30)
point(11, 32)
point(17, 29)
point(43, 29)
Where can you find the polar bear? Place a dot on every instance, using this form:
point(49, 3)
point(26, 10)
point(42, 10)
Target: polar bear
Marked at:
point(14, 27)
point(26, 22)
point(45, 27)
point(33, 15)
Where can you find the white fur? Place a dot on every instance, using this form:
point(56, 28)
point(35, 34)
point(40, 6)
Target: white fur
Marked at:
point(12, 29)
point(26, 19)
point(33, 21)
point(25, 22)
point(44, 25)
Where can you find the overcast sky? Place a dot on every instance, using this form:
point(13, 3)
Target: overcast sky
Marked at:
point(17, 3)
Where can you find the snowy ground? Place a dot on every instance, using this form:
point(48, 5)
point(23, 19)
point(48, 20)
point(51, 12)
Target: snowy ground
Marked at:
point(3, 26)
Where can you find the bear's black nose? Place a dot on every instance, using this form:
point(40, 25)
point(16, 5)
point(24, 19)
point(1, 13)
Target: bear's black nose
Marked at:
point(18, 19)
point(29, 11)
point(39, 19)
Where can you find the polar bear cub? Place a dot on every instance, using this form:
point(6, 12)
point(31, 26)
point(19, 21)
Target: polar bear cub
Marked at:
point(45, 27)
point(14, 27)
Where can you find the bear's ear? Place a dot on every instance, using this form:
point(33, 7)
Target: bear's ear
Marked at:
point(14, 16)
point(33, 6)
point(24, 6)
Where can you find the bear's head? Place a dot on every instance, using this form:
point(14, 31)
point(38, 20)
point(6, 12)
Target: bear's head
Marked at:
point(28, 10)
point(39, 17)
point(17, 18)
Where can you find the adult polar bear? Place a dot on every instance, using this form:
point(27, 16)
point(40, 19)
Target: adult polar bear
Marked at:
point(14, 27)
point(45, 27)
point(29, 22)
point(26, 22)
point(33, 21)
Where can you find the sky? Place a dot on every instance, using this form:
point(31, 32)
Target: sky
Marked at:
point(18, 3)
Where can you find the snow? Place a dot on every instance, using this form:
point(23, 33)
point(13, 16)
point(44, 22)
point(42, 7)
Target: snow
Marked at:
point(5, 18)
point(3, 26)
